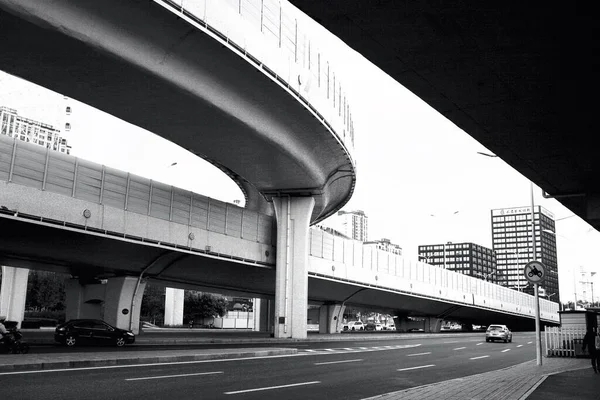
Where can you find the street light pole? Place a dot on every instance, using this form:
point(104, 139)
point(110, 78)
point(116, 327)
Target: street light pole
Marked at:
point(538, 334)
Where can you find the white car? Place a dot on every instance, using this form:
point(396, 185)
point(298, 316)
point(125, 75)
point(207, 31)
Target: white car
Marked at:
point(354, 326)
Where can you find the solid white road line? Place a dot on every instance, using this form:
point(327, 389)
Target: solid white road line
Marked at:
point(418, 354)
point(173, 376)
point(477, 358)
point(459, 348)
point(273, 387)
point(338, 362)
point(422, 366)
point(504, 351)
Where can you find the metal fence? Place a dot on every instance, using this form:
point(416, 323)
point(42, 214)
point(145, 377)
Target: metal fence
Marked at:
point(269, 35)
point(564, 342)
point(37, 167)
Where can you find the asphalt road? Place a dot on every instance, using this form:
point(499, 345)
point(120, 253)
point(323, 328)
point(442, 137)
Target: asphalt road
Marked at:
point(353, 369)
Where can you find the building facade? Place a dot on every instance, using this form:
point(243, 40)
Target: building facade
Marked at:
point(513, 244)
point(352, 224)
point(466, 258)
point(385, 245)
point(32, 131)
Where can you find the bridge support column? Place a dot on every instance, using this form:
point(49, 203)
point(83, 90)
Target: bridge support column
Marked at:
point(330, 316)
point(264, 314)
point(291, 275)
point(433, 324)
point(13, 293)
point(84, 300)
point(123, 301)
point(174, 306)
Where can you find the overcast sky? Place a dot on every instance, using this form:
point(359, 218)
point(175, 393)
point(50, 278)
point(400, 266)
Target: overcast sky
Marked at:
point(415, 168)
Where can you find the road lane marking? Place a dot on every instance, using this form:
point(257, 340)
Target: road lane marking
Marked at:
point(479, 344)
point(273, 387)
point(338, 362)
point(477, 358)
point(173, 376)
point(529, 342)
point(459, 348)
point(520, 345)
point(504, 351)
point(454, 341)
point(419, 367)
point(418, 354)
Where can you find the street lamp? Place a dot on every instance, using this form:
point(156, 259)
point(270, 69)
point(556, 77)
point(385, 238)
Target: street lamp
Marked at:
point(486, 276)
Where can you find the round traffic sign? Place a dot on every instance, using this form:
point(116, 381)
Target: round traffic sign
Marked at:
point(535, 271)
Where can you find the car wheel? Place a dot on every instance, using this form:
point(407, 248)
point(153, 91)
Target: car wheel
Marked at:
point(510, 340)
point(353, 329)
point(487, 340)
point(506, 340)
point(70, 340)
point(120, 342)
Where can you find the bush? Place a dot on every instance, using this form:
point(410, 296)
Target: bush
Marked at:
point(57, 316)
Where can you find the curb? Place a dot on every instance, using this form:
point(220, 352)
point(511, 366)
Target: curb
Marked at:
point(133, 361)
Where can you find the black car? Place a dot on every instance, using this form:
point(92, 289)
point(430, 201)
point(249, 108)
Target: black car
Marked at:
point(91, 331)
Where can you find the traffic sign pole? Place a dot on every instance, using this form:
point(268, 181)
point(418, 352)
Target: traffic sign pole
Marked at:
point(535, 273)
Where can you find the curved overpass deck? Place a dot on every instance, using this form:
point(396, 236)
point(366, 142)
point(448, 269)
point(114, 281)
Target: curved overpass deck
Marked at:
point(175, 70)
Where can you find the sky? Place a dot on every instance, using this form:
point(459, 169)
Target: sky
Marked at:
point(415, 168)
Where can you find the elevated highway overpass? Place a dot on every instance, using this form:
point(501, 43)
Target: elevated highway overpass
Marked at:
point(68, 215)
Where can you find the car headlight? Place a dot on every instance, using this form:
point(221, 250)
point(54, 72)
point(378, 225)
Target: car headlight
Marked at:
point(60, 329)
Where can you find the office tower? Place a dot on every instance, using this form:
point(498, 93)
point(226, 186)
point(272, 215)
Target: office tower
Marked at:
point(352, 224)
point(512, 241)
point(31, 131)
point(466, 258)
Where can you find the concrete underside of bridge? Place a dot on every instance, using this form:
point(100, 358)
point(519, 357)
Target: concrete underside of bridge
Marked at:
point(90, 256)
point(519, 77)
point(141, 63)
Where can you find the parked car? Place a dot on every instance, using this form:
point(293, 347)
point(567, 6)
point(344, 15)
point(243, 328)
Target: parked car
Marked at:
point(373, 326)
point(91, 331)
point(498, 332)
point(354, 326)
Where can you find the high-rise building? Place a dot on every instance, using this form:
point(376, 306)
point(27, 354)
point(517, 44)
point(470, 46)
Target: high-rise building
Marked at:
point(352, 224)
point(29, 130)
point(512, 241)
point(385, 245)
point(466, 258)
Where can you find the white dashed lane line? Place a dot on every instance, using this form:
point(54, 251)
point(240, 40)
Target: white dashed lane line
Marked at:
point(520, 345)
point(419, 367)
point(504, 351)
point(173, 376)
point(459, 348)
point(338, 362)
point(418, 354)
point(477, 358)
point(273, 387)
point(478, 344)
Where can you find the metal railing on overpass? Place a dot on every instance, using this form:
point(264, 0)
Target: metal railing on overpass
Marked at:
point(270, 37)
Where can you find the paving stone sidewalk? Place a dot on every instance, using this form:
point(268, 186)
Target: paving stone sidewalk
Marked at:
point(514, 383)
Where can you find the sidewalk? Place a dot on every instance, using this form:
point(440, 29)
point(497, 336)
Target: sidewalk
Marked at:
point(564, 378)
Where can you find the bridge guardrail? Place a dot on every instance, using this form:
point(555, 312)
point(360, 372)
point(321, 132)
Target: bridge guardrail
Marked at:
point(393, 271)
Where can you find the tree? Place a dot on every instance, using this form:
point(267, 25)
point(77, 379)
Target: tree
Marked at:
point(198, 305)
point(153, 303)
point(45, 291)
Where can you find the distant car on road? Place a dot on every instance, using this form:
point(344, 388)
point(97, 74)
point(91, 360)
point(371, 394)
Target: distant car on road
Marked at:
point(91, 331)
point(498, 332)
point(354, 326)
